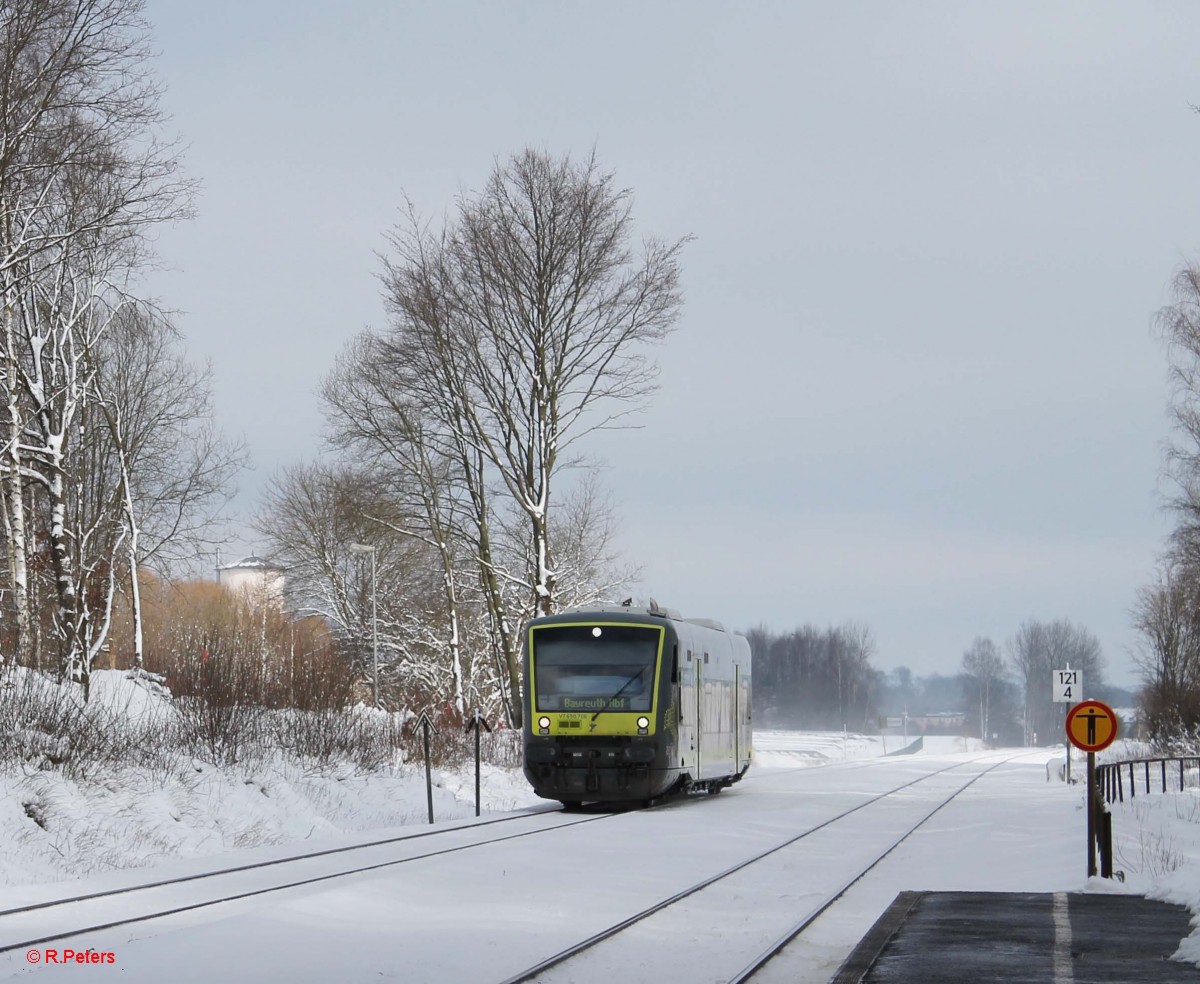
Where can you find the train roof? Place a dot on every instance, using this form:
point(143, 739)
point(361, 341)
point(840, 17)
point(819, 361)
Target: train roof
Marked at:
point(653, 608)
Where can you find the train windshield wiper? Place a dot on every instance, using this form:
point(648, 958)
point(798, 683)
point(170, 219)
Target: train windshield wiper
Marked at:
point(624, 686)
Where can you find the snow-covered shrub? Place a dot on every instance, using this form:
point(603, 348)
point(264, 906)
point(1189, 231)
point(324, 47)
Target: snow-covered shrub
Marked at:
point(221, 733)
point(35, 717)
point(48, 725)
point(325, 738)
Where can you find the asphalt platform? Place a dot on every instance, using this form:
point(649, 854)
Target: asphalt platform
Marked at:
point(1057, 938)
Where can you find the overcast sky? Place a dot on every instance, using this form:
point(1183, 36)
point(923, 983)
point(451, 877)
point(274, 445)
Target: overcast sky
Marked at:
point(915, 382)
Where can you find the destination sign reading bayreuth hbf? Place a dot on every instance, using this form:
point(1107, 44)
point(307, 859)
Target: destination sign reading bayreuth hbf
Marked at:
point(596, 703)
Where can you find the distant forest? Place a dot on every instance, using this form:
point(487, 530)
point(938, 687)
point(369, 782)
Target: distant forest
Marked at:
point(822, 679)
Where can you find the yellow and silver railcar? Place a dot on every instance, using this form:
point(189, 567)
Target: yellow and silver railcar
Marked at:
point(626, 705)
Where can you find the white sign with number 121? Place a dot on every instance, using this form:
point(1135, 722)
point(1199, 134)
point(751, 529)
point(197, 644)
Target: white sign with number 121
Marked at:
point(1067, 686)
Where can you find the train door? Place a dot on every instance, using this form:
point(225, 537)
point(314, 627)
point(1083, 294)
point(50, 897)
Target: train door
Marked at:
point(700, 722)
point(688, 721)
point(737, 717)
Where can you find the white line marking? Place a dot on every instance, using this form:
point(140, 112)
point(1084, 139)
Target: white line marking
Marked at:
point(1064, 973)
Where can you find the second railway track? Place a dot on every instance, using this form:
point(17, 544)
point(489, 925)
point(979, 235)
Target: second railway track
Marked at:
point(70, 917)
point(759, 914)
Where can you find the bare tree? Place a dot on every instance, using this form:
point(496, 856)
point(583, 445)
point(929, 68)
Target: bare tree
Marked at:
point(1167, 614)
point(983, 665)
point(170, 466)
point(1037, 650)
point(1179, 324)
point(814, 678)
point(520, 328)
point(588, 568)
point(82, 175)
point(441, 500)
point(312, 515)
point(536, 293)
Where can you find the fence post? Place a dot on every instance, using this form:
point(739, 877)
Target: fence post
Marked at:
point(1106, 850)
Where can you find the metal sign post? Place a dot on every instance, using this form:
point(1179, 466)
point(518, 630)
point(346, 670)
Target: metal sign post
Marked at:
point(476, 724)
point(1066, 687)
point(1091, 727)
point(426, 726)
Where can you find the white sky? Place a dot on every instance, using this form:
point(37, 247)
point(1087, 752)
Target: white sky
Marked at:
point(915, 382)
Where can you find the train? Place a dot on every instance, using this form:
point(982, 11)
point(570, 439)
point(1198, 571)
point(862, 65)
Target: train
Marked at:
point(628, 705)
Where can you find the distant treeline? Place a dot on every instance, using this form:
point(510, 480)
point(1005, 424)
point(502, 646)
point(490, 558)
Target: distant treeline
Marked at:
point(814, 678)
point(822, 679)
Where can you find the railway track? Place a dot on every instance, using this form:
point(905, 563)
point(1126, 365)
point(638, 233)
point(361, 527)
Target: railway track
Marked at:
point(36, 924)
point(489, 892)
point(730, 889)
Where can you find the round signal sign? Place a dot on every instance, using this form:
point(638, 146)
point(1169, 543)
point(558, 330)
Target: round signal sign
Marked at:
point(1091, 726)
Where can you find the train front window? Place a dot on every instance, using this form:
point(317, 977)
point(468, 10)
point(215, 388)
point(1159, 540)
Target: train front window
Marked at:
point(595, 667)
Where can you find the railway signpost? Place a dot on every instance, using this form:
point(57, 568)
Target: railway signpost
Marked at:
point(1091, 727)
point(1066, 687)
point(426, 726)
point(476, 723)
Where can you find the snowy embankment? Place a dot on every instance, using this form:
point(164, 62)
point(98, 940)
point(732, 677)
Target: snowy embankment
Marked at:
point(54, 826)
point(1156, 843)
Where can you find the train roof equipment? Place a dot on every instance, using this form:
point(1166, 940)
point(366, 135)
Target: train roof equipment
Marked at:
point(652, 608)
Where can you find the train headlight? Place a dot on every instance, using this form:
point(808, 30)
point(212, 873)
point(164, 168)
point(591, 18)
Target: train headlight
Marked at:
point(643, 722)
point(544, 723)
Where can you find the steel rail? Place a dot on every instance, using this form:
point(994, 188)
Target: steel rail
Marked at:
point(780, 944)
point(562, 956)
point(32, 907)
point(205, 903)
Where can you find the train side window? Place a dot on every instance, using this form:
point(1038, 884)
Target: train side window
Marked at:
point(689, 655)
point(675, 663)
point(706, 657)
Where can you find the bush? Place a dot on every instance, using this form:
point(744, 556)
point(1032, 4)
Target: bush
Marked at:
point(47, 725)
point(327, 737)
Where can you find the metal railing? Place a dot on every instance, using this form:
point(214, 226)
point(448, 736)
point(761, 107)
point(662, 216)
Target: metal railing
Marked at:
point(1169, 773)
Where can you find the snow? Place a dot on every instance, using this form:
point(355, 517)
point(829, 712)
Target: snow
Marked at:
point(53, 827)
point(1156, 844)
point(1019, 829)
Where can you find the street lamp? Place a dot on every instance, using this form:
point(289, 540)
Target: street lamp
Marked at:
point(362, 548)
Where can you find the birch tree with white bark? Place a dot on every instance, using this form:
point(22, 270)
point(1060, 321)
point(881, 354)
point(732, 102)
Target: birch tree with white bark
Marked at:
point(83, 175)
point(170, 469)
point(527, 319)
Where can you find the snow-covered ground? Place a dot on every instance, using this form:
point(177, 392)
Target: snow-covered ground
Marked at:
point(1023, 830)
point(54, 828)
point(1156, 846)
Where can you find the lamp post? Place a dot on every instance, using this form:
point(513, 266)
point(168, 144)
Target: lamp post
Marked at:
point(362, 548)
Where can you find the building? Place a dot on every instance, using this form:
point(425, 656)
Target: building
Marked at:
point(254, 576)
